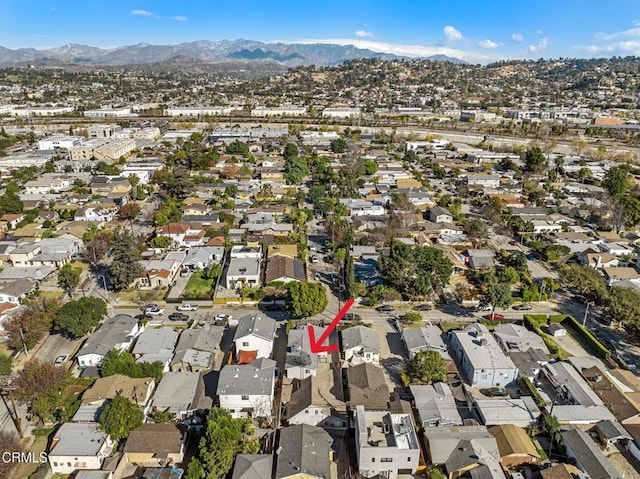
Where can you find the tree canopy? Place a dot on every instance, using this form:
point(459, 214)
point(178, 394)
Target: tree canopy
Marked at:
point(116, 362)
point(69, 278)
point(534, 159)
point(41, 383)
point(617, 182)
point(415, 272)
point(77, 318)
point(125, 266)
point(223, 438)
point(426, 367)
point(120, 417)
point(306, 299)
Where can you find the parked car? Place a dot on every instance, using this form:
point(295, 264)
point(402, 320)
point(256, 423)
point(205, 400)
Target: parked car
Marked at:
point(494, 392)
point(522, 307)
point(486, 307)
point(352, 317)
point(318, 277)
point(60, 360)
point(386, 308)
point(494, 317)
point(148, 306)
point(314, 259)
point(178, 317)
point(513, 243)
point(154, 311)
point(184, 273)
point(423, 307)
point(222, 317)
point(187, 307)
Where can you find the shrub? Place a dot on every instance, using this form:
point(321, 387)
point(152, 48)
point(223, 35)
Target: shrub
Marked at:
point(591, 340)
point(537, 398)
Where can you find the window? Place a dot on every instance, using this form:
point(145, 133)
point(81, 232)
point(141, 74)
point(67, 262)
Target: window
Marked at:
point(316, 411)
point(408, 459)
point(386, 459)
point(245, 344)
point(55, 464)
point(244, 398)
point(373, 459)
point(306, 411)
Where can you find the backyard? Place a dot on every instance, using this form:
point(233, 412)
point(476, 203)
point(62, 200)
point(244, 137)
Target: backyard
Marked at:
point(198, 287)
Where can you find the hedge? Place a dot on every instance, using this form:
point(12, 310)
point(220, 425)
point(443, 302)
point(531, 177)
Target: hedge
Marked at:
point(592, 341)
point(537, 398)
point(534, 322)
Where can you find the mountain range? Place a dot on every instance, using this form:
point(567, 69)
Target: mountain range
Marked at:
point(285, 54)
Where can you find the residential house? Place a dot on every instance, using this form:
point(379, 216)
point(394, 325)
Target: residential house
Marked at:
point(616, 249)
point(196, 348)
point(425, 338)
point(300, 362)
point(303, 452)
point(436, 405)
point(480, 258)
point(254, 336)
point(611, 432)
point(464, 449)
point(362, 207)
point(480, 359)
point(202, 257)
point(514, 445)
point(598, 260)
point(521, 412)
point(437, 214)
point(78, 446)
point(159, 272)
point(309, 405)
point(137, 390)
point(618, 388)
point(587, 455)
point(182, 234)
point(155, 345)
point(156, 445)
point(35, 273)
point(243, 271)
point(253, 466)
point(177, 394)
point(15, 291)
point(286, 250)
point(368, 387)
point(117, 332)
point(360, 345)
point(284, 269)
point(97, 213)
point(12, 219)
point(620, 273)
point(483, 180)
point(580, 405)
point(247, 390)
point(386, 443)
point(514, 338)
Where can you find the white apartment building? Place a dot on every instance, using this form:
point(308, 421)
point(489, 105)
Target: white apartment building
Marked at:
point(263, 111)
point(109, 113)
point(201, 111)
point(342, 112)
point(60, 142)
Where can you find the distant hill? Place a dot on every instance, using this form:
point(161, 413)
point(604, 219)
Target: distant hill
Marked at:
point(225, 51)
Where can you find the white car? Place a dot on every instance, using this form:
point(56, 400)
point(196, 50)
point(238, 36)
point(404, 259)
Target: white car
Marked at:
point(154, 311)
point(187, 307)
point(223, 317)
point(61, 359)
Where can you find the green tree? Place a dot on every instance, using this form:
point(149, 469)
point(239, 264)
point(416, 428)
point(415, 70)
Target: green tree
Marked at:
point(623, 306)
point(426, 367)
point(498, 295)
point(223, 438)
point(586, 280)
point(617, 182)
point(339, 145)
point(413, 317)
point(370, 167)
point(509, 275)
point(383, 293)
point(6, 364)
point(96, 247)
point(415, 272)
point(237, 147)
point(69, 278)
point(116, 362)
point(295, 169)
point(477, 231)
point(29, 326)
point(534, 159)
point(161, 417)
point(10, 202)
point(42, 384)
point(125, 266)
point(162, 242)
point(631, 210)
point(120, 417)
point(306, 299)
point(77, 318)
point(350, 277)
point(290, 151)
point(518, 261)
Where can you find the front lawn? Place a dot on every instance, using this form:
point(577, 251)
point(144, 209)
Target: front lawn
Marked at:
point(198, 287)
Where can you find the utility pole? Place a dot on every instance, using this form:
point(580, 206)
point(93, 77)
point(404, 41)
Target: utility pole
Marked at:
point(24, 345)
point(586, 311)
point(13, 412)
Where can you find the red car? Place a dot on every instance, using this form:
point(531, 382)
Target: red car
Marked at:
point(494, 317)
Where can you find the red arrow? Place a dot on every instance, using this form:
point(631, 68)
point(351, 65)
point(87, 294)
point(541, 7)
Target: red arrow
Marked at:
point(316, 346)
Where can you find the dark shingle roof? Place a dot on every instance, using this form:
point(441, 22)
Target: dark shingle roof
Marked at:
point(303, 449)
point(252, 466)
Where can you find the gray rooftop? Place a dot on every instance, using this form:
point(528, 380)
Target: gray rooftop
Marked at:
point(255, 324)
point(239, 266)
point(78, 439)
point(303, 449)
point(564, 375)
point(253, 466)
point(299, 348)
point(176, 391)
point(361, 336)
point(201, 339)
point(518, 338)
point(435, 404)
point(156, 340)
point(257, 378)
point(203, 254)
point(113, 331)
point(424, 338)
point(588, 455)
point(481, 349)
point(36, 273)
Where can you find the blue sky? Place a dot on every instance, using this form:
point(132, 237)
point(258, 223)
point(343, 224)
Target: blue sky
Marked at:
point(477, 31)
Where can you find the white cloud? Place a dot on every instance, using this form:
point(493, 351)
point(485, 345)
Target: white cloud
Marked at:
point(412, 51)
point(142, 13)
point(451, 34)
point(539, 32)
point(540, 47)
point(517, 37)
point(624, 48)
point(179, 18)
point(488, 44)
point(630, 33)
point(364, 34)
